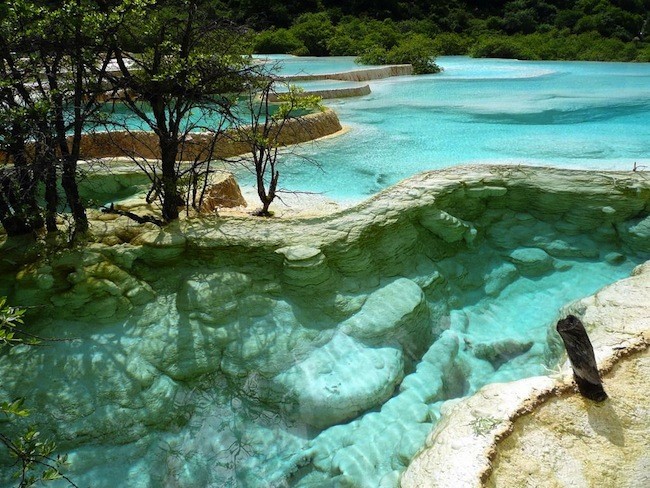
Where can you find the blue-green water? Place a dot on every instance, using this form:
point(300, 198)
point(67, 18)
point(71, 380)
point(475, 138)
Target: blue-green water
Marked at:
point(119, 397)
point(572, 114)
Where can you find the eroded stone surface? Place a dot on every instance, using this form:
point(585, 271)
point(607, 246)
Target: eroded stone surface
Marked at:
point(196, 327)
point(570, 441)
point(326, 387)
point(548, 447)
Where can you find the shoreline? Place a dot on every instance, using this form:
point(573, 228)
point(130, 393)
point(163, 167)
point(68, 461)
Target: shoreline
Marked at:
point(618, 327)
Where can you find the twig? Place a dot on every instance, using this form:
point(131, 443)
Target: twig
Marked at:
point(139, 219)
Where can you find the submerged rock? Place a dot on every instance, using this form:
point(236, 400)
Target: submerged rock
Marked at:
point(531, 261)
point(446, 226)
point(498, 352)
point(396, 312)
point(636, 234)
point(338, 381)
point(305, 268)
point(500, 277)
point(213, 298)
point(202, 336)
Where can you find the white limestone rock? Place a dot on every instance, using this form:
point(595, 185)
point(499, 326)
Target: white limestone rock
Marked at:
point(161, 244)
point(182, 350)
point(305, 268)
point(339, 380)
point(396, 311)
point(531, 261)
point(447, 227)
point(213, 298)
point(636, 234)
point(500, 277)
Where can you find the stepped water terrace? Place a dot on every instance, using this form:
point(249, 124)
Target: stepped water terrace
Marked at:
point(477, 111)
point(317, 352)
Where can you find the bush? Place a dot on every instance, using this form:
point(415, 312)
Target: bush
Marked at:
point(373, 55)
point(416, 50)
point(643, 55)
point(277, 41)
point(450, 44)
point(499, 47)
point(343, 45)
point(314, 30)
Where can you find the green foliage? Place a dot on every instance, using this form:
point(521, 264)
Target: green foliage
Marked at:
point(14, 408)
point(557, 45)
point(275, 41)
point(296, 102)
point(314, 31)
point(10, 319)
point(499, 47)
point(417, 50)
point(35, 458)
point(523, 29)
point(451, 44)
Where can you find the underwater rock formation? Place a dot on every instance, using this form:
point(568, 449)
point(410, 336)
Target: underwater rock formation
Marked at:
point(490, 438)
point(310, 351)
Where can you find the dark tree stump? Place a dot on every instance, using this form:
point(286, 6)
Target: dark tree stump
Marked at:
point(581, 355)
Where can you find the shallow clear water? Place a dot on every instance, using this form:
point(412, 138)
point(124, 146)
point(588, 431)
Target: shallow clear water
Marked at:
point(572, 114)
point(212, 431)
point(134, 426)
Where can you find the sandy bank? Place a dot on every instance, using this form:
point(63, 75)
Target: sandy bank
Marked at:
point(570, 441)
point(539, 431)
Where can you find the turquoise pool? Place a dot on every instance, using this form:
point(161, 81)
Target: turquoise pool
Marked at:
point(573, 114)
point(195, 385)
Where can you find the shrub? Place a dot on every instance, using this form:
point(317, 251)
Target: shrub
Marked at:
point(373, 55)
point(343, 45)
point(499, 47)
point(314, 30)
point(416, 50)
point(449, 43)
point(277, 41)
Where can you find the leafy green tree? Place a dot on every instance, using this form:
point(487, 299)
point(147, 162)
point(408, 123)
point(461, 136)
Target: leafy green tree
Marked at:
point(275, 41)
point(53, 61)
point(189, 61)
point(417, 50)
point(314, 30)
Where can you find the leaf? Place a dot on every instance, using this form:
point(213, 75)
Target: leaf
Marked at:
point(51, 474)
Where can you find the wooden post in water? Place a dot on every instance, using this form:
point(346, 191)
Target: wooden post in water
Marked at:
point(581, 355)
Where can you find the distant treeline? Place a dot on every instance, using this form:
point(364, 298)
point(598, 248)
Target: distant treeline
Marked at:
point(608, 30)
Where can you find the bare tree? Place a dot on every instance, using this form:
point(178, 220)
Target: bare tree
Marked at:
point(267, 131)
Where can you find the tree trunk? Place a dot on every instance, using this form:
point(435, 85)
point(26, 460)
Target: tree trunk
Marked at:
point(581, 356)
point(171, 200)
point(14, 225)
point(51, 194)
point(23, 190)
point(69, 183)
